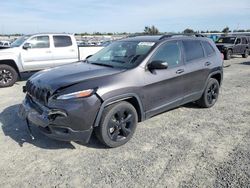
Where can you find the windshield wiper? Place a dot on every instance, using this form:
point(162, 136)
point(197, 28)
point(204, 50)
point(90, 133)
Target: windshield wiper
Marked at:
point(119, 61)
point(105, 65)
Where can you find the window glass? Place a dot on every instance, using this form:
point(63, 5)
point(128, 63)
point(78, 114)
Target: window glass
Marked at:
point(62, 41)
point(122, 54)
point(228, 40)
point(238, 41)
point(193, 50)
point(244, 41)
point(39, 42)
point(169, 52)
point(208, 48)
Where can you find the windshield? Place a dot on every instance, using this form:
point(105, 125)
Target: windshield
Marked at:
point(122, 54)
point(229, 40)
point(18, 42)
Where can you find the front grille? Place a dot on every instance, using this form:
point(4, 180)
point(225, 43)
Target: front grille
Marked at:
point(41, 95)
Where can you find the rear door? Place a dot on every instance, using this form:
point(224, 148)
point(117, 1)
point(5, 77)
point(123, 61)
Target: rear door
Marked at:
point(197, 69)
point(64, 49)
point(164, 88)
point(38, 56)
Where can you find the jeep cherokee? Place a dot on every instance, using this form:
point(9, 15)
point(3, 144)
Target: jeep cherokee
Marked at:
point(127, 82)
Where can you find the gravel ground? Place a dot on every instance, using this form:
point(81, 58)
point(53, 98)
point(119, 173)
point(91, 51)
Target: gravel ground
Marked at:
point(185, 147)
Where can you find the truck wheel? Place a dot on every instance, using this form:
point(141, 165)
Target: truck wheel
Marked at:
point(246, 53)
point(118, 124)
point(228, 54)
point(210, 95)
point(8, 76)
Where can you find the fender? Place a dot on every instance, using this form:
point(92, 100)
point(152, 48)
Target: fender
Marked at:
point(213, 72)
point(12, 55)
point(118, 99)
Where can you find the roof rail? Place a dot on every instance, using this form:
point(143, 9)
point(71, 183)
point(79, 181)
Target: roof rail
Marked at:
point(181, 35)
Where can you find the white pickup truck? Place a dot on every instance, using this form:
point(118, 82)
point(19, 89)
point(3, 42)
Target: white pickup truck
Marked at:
point(37, 52)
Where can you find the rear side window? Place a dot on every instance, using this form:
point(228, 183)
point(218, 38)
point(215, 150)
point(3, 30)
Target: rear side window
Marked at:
point(244, 41)
point(193, 50)
point(208, 48)
point(62, 41)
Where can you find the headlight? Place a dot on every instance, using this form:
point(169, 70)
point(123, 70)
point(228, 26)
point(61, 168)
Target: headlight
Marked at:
point(78, 94)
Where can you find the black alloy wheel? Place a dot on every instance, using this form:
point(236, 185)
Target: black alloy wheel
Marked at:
point(246, 53)
point(228, 55)
point(210, 95)
point(118, 124)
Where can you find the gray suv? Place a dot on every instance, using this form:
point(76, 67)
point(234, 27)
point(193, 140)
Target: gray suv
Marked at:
point(125, 83)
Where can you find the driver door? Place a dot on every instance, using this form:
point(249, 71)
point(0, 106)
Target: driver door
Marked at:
point(36, 53)
point(237, 47)
point(164, 89)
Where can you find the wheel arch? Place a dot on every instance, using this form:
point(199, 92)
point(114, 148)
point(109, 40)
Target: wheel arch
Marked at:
point(131, 98)
point(11, 63)
point(217, 76)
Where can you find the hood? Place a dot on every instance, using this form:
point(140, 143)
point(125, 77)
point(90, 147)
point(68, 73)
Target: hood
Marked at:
point(7, 51)
point(224, 44)
point(67, 75)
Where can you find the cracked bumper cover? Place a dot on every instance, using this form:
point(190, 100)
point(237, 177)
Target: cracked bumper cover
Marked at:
point(64, 120)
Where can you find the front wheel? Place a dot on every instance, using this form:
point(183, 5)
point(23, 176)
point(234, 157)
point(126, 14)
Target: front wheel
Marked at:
point(210, 95)
point(8, 75)
point(246, 53)
point(118, 124)
point(228, 55)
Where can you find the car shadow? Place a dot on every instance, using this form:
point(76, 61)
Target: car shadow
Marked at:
point(245, 63)
point(16, 129)
point(191, 105)
point(25, 76)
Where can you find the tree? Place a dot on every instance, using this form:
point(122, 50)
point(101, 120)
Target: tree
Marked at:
point(188, 31)
point(151, 30)
point(225, 30)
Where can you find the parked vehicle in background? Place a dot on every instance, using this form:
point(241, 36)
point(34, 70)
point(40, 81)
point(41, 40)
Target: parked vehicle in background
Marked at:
point(4, 44)
point(37, 52)
point(233, 45)
point(127, 82)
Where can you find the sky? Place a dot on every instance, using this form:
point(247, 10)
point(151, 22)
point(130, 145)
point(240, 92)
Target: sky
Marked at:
point(78, 16)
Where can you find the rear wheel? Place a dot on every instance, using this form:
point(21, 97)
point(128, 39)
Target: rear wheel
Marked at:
point(8, 76)
point(246, 53)
point(228, 54)
point(117, 125)
point(210, 95)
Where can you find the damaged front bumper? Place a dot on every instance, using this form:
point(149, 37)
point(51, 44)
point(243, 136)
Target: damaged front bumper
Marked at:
point(51, 122)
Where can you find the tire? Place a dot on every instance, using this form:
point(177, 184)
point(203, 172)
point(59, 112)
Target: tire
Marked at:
point(228, 54)
point(117, 125)
point(210, 95)
point(8, 75)
point(246, 53)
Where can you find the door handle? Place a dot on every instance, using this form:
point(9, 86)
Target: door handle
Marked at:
point(71, 50)
point(207, 63)
point(48, 51)
point(179, 71)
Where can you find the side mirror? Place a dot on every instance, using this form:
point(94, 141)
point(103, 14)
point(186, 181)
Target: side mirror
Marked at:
point(26, 46)
point(157, 65)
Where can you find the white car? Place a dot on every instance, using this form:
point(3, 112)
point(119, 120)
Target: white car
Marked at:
point(37, 52)
point(4, 44)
